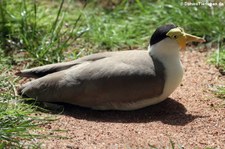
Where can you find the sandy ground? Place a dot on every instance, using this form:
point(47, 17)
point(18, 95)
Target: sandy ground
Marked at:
point(191, 118)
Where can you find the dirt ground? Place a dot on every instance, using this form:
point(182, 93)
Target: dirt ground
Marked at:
point(191, 118)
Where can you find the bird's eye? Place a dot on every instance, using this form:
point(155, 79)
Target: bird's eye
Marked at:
point(175, 36)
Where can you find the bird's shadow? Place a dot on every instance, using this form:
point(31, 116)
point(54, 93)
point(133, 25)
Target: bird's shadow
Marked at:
point(168, 112)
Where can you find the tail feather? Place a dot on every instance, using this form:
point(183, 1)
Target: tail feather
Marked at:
point(42, 89)
point(47, 69)
point(41, 71)
point(20, 91)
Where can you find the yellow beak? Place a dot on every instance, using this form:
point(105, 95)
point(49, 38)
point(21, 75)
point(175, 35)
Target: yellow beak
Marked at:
point(182, 40)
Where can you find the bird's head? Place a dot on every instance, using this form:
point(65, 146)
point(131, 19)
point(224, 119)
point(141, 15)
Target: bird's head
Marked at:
point(171, 36)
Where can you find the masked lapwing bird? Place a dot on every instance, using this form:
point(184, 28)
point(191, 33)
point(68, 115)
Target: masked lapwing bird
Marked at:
point(123, 80)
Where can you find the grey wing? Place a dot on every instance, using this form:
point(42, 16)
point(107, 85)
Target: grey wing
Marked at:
point(41, 71)
point(92, 84)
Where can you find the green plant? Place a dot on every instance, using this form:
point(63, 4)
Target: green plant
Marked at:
point(26, 27)
point(220, 92)
point(131, 25)
point(218, 59)
point(16, 118)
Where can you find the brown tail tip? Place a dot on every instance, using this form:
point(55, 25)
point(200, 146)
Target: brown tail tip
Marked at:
point(19, 91)
point(19, 73)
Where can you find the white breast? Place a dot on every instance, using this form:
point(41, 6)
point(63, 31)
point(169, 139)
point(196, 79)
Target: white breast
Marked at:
point(174, 75)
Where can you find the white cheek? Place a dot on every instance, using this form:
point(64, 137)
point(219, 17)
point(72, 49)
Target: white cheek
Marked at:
point(165, 48)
